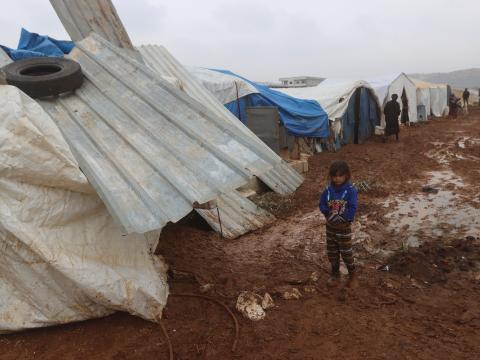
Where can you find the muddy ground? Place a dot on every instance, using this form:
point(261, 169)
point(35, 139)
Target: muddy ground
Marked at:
point(419, 268)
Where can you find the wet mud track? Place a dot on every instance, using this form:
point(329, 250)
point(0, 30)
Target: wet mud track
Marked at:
point(418, 256)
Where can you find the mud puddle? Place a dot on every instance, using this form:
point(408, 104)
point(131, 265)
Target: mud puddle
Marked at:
point(433, 215)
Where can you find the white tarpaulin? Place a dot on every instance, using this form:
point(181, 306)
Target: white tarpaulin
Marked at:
point(433, 97)
point(332, 94)
point(62, 257)
point(226, 88)
point(386, 86)
point(439, 100)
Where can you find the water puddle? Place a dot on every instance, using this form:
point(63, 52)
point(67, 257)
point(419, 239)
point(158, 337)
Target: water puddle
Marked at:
point(434, 214)
point(444, 153)
point(466, 142)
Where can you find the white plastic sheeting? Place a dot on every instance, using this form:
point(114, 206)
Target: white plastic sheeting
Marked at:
point(62, 257)
point(439, 100)
point(332, 94)
point(433, 96)
point(4, 58)
point(386, 86)
point(226, 88)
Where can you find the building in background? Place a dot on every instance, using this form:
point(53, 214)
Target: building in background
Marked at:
point(300, 81)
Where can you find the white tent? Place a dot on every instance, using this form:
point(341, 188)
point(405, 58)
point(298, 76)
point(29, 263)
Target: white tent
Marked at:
point(386, 86)
point(439, 100)
point(63, 257)
point(423, 99)
point(334, 96)
point(433, 96)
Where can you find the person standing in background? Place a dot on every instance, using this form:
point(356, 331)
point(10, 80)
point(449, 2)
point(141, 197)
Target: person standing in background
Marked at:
point(392, 111)
point(466, 96)
point(404, 118)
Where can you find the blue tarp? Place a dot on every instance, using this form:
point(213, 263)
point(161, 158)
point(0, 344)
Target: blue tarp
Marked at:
point(33, 45)
point(304, 118)
point(369, 117)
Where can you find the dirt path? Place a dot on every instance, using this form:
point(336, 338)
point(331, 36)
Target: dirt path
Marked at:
point(424, 307)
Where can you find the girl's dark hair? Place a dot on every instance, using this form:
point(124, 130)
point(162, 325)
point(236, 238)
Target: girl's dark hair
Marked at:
point(339, 167)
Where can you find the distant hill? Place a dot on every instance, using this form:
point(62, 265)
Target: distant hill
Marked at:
point(459, 79)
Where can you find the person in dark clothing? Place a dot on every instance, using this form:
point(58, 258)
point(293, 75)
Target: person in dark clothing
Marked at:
point(466, 96)
point(404, 115)
point(454, 104)
point(392, 111)
point(338, 203)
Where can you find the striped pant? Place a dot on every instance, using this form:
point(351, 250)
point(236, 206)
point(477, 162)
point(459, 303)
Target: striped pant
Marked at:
point(339, 242)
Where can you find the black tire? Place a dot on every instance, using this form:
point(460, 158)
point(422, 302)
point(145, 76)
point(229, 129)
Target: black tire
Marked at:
point(44, 76)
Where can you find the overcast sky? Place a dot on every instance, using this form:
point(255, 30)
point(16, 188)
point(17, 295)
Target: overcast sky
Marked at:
point(267, 39)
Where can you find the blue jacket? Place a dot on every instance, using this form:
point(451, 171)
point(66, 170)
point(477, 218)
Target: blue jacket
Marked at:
point(343, 199)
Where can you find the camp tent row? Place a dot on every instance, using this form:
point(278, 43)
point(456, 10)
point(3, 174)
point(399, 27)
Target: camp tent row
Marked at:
point(354, 107)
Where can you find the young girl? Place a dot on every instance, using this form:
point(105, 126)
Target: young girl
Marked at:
point(339, 203)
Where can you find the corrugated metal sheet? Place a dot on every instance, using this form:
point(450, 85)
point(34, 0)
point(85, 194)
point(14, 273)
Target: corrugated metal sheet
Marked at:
point(149, 149)
point(81, 17)
point(238, 215)
point(84, 16)
point(281, 178)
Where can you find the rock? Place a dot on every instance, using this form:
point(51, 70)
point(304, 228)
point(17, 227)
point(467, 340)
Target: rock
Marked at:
point(416, 284)
point(249, 304)
point(206, 288)
point(288, 292)
point(309, 289)
point(267, 302)
point(388, 285)
point(314, 277)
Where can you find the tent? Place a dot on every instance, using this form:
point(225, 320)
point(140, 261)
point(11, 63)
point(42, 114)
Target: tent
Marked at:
point(302, 118)
point(386, 86)
point(351, 105)
point(433, 97)
point(423, 99)
point(439, 99)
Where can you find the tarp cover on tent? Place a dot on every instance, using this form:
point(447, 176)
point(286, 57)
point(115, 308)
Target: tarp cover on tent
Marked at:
point(304, 118)
point(63, 258)
point(225, 87)
point(33, 45)
point(336, 97)
point(332, 94)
